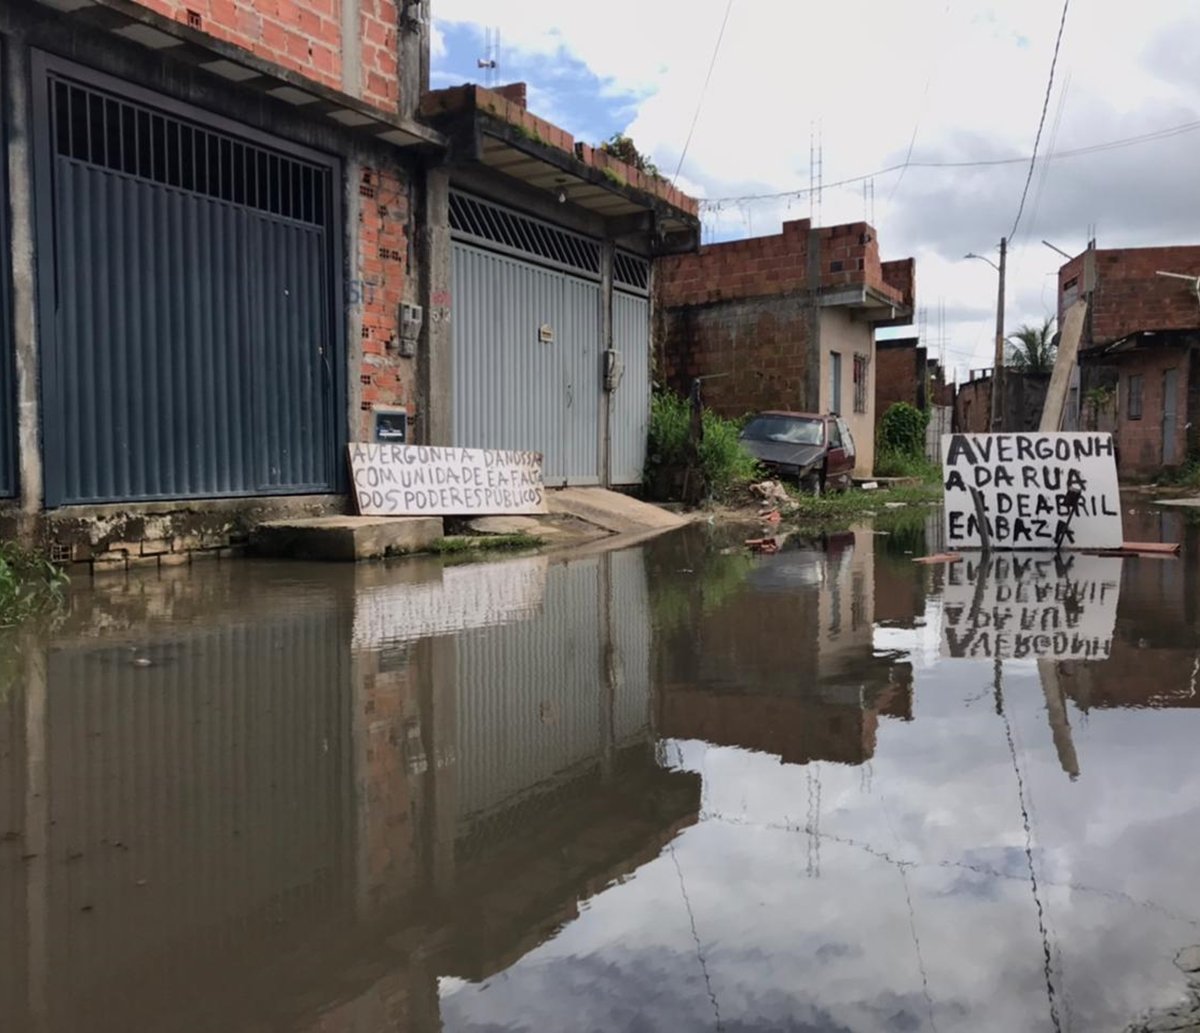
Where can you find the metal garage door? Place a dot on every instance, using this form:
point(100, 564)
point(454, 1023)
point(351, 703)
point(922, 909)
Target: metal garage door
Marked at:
point(527, 339)
point(631, 341)
point(189, 315)
point(8, 396)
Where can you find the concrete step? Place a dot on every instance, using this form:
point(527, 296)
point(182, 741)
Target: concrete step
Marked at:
point(612, 511)
point(345, 538)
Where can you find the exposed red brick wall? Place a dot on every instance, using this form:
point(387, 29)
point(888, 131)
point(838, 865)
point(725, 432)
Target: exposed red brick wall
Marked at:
point(973, 407)
point(761, 345)
point(382, 274)
point(1129, 296)
point(901, 275)
point(898, 371)
point(303, 36)
point(515, 93)
point(778, 264)
point(1140, 442)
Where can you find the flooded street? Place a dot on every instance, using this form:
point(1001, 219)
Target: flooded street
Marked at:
point(674, 787)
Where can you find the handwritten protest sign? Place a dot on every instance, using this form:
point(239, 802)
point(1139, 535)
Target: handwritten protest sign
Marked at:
point(1031, 491)
point(474, 596)
point(415, 480)
point(1030, 605)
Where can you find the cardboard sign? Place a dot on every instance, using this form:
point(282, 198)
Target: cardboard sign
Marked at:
point(475, 595)
point(1030, 605)
point(415, 480)
point(1031, 491)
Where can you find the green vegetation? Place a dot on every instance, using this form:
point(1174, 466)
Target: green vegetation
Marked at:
point(724, 464)
point(900, 446)
point(837, 511)
point(614, 177)
point(624, 149)
point(30, 585)
point(458, 545)
point(1033, 349)
point(1098, 401)
point(890, 463)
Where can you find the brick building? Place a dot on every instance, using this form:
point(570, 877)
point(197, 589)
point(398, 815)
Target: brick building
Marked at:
point(783, 322)
point(1024, 399)
point(1140, 341)
point(232, 233)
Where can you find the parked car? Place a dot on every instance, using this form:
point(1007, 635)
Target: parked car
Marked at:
point(811, 451)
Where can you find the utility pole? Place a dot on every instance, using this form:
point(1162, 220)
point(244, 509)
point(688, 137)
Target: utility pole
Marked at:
point(998, 362)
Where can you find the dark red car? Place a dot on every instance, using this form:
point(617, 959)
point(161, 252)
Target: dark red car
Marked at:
point(812, 451)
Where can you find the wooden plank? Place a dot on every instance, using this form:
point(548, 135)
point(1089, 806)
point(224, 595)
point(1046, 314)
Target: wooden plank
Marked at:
point(939, 557)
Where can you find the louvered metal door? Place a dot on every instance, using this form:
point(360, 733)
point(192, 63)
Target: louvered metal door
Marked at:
point(630, 419)
point(188, 301)
point(527, 339)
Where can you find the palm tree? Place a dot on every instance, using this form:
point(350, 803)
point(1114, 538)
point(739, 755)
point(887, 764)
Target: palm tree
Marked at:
point(1032, 348)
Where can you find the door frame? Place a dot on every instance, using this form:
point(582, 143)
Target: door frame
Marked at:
point(43, 65)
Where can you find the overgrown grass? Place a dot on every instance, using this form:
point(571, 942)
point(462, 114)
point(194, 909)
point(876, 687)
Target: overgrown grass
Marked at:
point(724, 464)
point(1185, 478)
point(458, 545)
point(836, 511)
point(890, 462)
point(30, 585)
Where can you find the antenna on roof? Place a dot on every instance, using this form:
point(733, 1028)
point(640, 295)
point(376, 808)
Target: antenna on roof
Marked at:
point(815, 172)
point(490, 61)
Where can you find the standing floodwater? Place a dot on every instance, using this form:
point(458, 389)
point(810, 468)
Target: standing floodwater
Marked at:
point(676, 787)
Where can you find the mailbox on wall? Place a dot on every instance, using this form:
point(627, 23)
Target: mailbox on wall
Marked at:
point(390, 425)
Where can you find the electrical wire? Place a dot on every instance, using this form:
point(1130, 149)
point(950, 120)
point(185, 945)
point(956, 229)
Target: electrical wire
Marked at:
point(715, 203)
point(704, 90)
point(1041, 121)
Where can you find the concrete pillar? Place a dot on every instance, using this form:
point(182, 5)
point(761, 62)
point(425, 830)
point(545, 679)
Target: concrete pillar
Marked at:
point(37, 836)
point(352, 47)
point(413, 54)
point(434, 347)
point(24, 297)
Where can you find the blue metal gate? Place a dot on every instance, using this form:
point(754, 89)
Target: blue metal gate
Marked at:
point(189, 309)
point(8, 395)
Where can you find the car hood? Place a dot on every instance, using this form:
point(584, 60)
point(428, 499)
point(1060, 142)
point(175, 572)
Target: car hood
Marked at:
point(782, 454)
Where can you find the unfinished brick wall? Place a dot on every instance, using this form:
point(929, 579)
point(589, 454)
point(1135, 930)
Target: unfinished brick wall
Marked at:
point(899, 366)
point(1140, 441)
point(973, 407)
point(303, 36)
point(1129, 295)
point(382, 283)
point(761, 346)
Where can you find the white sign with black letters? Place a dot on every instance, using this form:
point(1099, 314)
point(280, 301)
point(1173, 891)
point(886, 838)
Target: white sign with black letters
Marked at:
point(1030, 605)
point(418, 480)
point(1031, 491)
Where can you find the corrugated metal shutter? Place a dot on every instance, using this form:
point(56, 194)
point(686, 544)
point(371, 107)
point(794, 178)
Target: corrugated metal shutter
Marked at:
point(190, 318)
point(513, 390)
point(222, 773)
point(631, 400)
point(8, 394)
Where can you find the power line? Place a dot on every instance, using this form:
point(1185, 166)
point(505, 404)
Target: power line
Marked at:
point(1041, 121)
point(713, 203)
point(700, 101)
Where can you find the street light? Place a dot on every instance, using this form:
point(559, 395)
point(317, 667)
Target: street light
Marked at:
point(998, 361)
point(1058, 249)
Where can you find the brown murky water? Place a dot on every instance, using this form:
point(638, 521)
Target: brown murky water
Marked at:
point(669, 788)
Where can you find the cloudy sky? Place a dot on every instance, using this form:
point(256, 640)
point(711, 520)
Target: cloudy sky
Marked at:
point(931, 81)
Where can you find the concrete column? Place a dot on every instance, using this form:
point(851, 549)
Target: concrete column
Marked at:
point(37, 836)
point(24, 297)
point(434, 348)
point(352, 47)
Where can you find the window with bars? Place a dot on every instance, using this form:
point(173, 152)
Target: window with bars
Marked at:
point(861, 365)
point(1134, 411)
point(489, 223)
point(99, 129)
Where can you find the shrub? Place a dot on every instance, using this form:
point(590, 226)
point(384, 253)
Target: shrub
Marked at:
point(29, 584)
point(902, 430)
point(891, 463)
point(724, 463)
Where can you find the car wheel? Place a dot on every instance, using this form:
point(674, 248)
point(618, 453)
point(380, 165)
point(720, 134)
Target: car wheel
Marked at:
point(811, 483)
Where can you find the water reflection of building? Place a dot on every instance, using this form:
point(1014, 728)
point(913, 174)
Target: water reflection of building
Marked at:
point(786, 664)
point(237, 810)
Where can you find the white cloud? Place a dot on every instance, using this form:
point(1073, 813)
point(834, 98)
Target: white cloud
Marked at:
point(969, 75)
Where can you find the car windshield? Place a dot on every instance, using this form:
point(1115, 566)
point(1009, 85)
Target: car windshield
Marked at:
point(788, 430)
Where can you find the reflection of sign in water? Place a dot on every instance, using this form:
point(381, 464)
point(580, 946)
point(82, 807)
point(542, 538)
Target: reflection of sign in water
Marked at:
point(1019, 606)
point(1031, 491)
point(413, 480)
point(475, 595)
